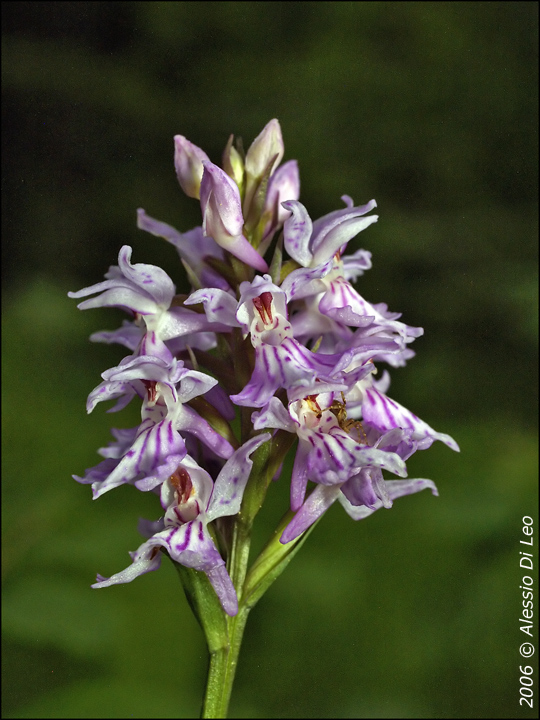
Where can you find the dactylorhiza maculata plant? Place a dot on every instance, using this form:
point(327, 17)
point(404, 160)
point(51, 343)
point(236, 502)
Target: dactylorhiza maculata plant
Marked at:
point(273, 354)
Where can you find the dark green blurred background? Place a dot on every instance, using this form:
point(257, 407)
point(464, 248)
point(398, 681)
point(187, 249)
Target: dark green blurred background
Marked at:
point(431, 108)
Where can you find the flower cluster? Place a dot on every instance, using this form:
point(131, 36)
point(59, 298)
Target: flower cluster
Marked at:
point(288, 349)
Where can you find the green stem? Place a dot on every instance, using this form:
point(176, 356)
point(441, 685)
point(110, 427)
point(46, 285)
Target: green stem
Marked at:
point(222, 669)
point(224, 660)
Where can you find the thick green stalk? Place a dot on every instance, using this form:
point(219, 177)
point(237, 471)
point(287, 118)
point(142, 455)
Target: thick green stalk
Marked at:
point(224, 660)
point(222, 669)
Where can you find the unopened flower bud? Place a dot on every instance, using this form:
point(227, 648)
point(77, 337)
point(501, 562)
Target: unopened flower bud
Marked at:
point(266, 148)
point(222, 216)
point(284, 185)
point(188, 162)
point(233, 163)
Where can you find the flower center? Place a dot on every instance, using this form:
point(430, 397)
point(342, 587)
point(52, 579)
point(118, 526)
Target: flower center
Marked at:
point(181, 482)
point(313, 405)
point(151, 392)
point(263, 305)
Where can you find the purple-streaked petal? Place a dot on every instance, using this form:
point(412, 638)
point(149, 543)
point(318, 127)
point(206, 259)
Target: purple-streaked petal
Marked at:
point(220, 204)
point(129, 378)
point(194, 383)
point(189, 421)
point(299, 477)
point(108, 390)
point(275, 367)
point(147, 528)
point(310, 324)
point(124, 439)
point(283, 185)
point(195, 341)
point(192, 546)
point(284, 366)
point(149, 278)
point(317, 503)
point(384, 413)
point(137, 288)
point(395, 489)
point(323, 226)
point(240, 247)
point(367, 488)
point(153, 457)
point(337, 456)
point(98, 473)
point(192, 245)
point(126, 298)
point(188, 163)
point(397, 359)
point(304, 282)
point(231, 481)
point(146, 559)
point(219, 306)
point(114, 280)
point(144, 367)
point(180, 321)
point(344, 304)
point(151, 344)
point(356, 264)
point(344, 315)
point(318, 387)
point(222, 584)
point(398, 441)
point(222, 216)
point(297, 231)
point(338, 236)
point(217, 397)
point(274, 415)
point(129, 335)
point(189, 545)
